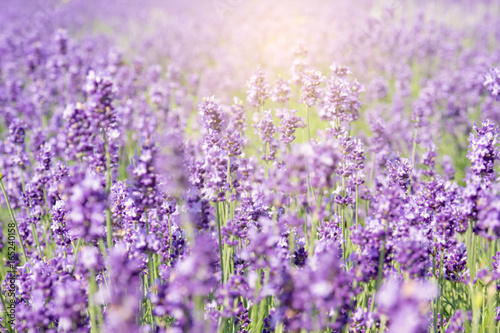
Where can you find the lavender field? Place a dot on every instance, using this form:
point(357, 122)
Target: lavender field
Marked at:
point(250, 166)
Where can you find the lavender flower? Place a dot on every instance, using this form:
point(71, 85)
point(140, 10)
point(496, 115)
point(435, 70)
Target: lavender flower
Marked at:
point(289, 122)
point(492, 82)
point(124, 294)
point(483, 150)
point(399, 173)
point(455, 264)
point(86, 205)
point(211, 114)
point(311, 87)
point(281, 93)
point(257, 88)
point(406, 304)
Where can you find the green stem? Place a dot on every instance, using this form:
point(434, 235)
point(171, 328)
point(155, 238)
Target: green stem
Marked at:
point(92, 307)
point(75, 254)
point(11, 212)
point(109, 226)
point(218, 218)
point(6, 319)
point(414, 148)
point(308, 124)
point(357, 200)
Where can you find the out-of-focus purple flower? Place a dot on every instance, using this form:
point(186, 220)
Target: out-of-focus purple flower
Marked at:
point(265, 129)
point(86, 205)
point(100, 92)
point(78, 132)
point(169, 164)
point(352, 156)
point(144, 178)
point(320, 284)
point(375, 245)
point(448, 168)
point(90, 258)
point(17, 132)
point(311, 87)
point(492, 82)
point(281, 93)
point(413, 254)
point(289, 122)
point(362, 320)
point(123, 292)
point(488, 214)
point(238, 116)
point(339, 70)
point(70, 304)
point(215, 171)
point(257, 88)
point(194, 278)
point(211, 114)
point(406, 304)
point(456, 323)
point(342, 103)
point(299, 65)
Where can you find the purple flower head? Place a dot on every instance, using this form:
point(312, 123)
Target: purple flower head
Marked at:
point(488, 214)
point(144, 178)
point(399, 173)
point(483, 150)
point(235, 143)
point(58, 226)
point(300, 254)
point(211, 114)
point(78, 131)
point(257, 88)
point(492, 82)
point(61, 39)
point(215, 173)
point(496, 268)
point(456, 323)
point(123, 293)
point(289, 122)
point(341, 100)
point(168, 162)
point(239, 116)
point(17, 132)
point(90, 258)
point(324, 158)
point(362, 320)
point(339, 70)
point(194, 277)
point(352, 155)
point(406, 304)
point(281, 92)
point(86, 205)
point(70, 306)
point(373, 240)
point(311, 90)
point(266, 128)
point(448, 168)
point(100, 91)
point(299, 66)
point(413, 254)
point(455, 264)
point(44, 157)
point(320, 284)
